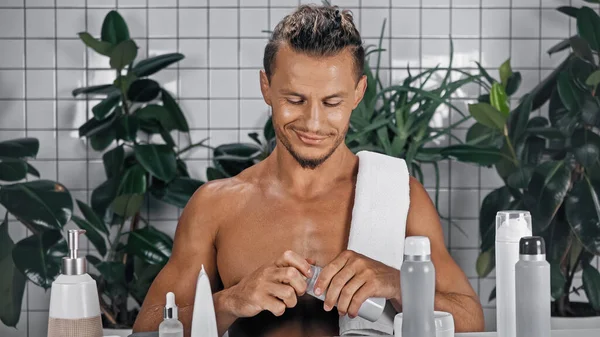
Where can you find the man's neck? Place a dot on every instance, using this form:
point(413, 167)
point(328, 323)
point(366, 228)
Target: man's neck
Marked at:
point(307, 183)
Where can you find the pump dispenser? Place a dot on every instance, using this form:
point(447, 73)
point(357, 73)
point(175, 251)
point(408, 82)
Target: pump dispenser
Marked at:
point(74, 305)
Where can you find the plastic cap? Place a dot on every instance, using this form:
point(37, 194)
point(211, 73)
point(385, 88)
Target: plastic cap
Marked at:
point(532, 245)
point(417, 246)
point(511, 226)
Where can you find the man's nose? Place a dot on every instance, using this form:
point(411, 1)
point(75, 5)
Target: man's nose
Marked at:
point(315, 113)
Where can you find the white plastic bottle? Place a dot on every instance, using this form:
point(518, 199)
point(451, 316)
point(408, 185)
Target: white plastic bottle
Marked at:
point(511, 226)
point(170, 326)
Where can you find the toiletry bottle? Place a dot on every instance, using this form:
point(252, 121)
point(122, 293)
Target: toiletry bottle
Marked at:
point(170, 326)
point(204, 321)
point(511, 226)
point(417, 283)
point(371, 309)
point(532, 285)
point(74, 309)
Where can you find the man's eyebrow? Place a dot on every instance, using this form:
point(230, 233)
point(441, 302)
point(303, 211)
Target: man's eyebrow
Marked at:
point(293, 93)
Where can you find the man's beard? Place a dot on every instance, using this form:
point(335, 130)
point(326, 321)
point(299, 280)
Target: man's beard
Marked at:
point(310, 163)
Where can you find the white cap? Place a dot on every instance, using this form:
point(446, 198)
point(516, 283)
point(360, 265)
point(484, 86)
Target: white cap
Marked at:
point(417, 246)
point(170, 310)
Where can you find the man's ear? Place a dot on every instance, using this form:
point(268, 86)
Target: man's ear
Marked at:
point(265, 87)
point(359, 91)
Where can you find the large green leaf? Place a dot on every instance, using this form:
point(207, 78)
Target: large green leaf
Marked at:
point(582, 49)
point(100, 47)
point(517, 121)
point(92, 234)
point(102, 109)
point(591, 285)
point(134, 181)
point(485, 74)
point(113, 161)
point(159, 160)
point(154, 64)
point(20, 148)
point(590, 111)
point(178, 192)
point(583, 214)
point(268, 130)
point(103, 195)
point(103, 89)
point(156, 113)
point(101, 140)
point(94, 126)
point(127, 205)
point(495, 201)
point(505, 71)
point(114, 28)
point(127, 127)
point(546, 191)
point(150, 245)
point(562, 45)
point(542, 92)
point(588, 27)
point(92, 217)
point(499, 100)
point(557, 281)
point(593, 79)
point(39, 257)
point(123, 54)
point(481, 135)
point(533, 149)
point(487, 115)
point(568, 10)
point(12, 169)
point(520, 178)
point(570, 96)
point(513, 83)
point(143, 90)
point(12, 282)
point(507, 165)
point(586, 147)
point(178, 119)
point(484, 156)
point(41, 202)
point(485, 263)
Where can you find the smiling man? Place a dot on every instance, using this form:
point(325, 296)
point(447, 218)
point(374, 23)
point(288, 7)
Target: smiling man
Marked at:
point(257, 233)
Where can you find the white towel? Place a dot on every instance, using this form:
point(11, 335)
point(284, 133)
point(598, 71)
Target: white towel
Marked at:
point(378, 226)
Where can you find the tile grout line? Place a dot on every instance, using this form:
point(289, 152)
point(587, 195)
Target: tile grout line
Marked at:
point(25, 105)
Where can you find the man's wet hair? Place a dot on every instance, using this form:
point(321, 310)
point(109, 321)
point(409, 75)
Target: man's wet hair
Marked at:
point(318, 31)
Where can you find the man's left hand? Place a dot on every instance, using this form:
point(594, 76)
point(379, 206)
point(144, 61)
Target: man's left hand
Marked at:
point(351, 278)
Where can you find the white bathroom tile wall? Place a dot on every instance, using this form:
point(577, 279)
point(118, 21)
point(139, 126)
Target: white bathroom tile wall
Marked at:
point(218, 85)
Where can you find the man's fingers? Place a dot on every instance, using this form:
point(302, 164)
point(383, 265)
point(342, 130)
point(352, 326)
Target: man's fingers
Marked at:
point(284, 293)
point(292, 259)
point(328, 272)
point(358, 299)
point(274, 305)
point(291, 276)
point(336, 285)
point(347, 294)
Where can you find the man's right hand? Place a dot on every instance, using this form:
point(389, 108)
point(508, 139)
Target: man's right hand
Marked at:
point(273, 287)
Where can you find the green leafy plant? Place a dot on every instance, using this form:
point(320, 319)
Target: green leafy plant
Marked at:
point(133, 110)
point(550, 165)
point(44, 207)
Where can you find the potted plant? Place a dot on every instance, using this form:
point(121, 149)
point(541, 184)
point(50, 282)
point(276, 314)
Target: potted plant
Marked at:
point(133, 112)
point(44, 207)
point(550, 167)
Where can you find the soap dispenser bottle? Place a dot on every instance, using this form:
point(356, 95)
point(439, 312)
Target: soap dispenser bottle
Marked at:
point(74, 306)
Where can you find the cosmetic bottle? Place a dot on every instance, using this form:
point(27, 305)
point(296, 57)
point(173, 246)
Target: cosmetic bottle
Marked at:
point(532, 289)
point(371, 309)
point(511, 226)
point(74, 309)
point(170, 326)
point(417, 283)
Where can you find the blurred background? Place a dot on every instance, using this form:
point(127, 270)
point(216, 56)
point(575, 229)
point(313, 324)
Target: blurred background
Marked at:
point(214, 53)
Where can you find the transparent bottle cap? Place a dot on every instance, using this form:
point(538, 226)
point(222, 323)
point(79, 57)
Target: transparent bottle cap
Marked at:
point(511, 226)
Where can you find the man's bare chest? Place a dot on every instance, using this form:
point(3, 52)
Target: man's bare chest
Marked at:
point(318, 230)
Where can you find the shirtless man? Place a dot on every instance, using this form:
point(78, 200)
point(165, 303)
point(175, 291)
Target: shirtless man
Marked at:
point(256, 233)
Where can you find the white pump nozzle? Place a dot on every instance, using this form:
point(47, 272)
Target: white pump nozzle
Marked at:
point(170, 311)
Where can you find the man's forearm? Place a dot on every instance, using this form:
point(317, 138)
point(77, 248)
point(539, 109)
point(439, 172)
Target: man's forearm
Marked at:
point(466, 311)
point(222, 312)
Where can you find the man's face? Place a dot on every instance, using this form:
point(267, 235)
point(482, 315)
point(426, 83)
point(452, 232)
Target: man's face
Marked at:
point(312, 99)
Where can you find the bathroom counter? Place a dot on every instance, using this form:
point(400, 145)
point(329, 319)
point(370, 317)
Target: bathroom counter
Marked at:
point(555, 333)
